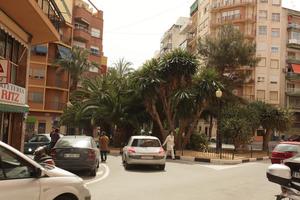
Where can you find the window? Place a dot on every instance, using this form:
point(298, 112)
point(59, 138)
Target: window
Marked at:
point(263, 1)
point(262, 30)
point(9, 47)
point(36, 97)
point(260, 79)
point(276, 17)
point(95, 32)
point(295, 35)
point(274, 95)
point(276, 2)
point(274, 63)
point(261, 47)
point(263, 14)
point(275, 32)
point(79, 44)
point(36, 73)
point(262, 62)
point(274, 49)
point(2, 43)
point(94, 50)
point(260, 95)
point(13, 167)
point(9, 44)
point(274, 79)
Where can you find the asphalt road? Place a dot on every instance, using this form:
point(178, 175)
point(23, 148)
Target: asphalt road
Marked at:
point(182, 181)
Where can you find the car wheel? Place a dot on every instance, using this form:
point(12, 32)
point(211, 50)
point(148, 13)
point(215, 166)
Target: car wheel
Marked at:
point(123, 159)
point(93, 172)
point(162, 167)
point(66, 197)
point(98, 163)
point(127, 166)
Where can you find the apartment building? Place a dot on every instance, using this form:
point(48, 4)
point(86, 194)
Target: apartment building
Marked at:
point(88, 34)
point(18, 32)
point(174, 38)
point(48, 86)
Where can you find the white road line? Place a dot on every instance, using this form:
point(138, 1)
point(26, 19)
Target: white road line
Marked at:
point(106, 173)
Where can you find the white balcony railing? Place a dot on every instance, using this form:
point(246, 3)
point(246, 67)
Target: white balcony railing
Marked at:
point(293, 41)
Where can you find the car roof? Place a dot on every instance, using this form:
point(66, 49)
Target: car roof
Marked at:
point(290, 142)
point(77, 137)
point(144, 137)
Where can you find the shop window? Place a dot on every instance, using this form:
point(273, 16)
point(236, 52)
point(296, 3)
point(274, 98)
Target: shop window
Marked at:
point(2, 43)
point(9, 45)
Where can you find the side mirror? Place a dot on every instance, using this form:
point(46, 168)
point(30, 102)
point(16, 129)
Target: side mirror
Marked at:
point(280, 174)
point(38, 172)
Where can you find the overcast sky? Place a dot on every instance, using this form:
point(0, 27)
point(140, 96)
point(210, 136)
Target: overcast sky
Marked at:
point(133, 28)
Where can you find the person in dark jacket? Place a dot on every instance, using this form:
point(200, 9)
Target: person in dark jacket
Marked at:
point(54, 137)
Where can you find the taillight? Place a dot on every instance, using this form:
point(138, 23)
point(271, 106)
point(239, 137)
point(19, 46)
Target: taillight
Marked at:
point(161, 151)
point(131, 150)
point(290, 154)
point(53, 153)
point(91, 154)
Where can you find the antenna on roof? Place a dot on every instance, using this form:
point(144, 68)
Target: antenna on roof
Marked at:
point(93, 5)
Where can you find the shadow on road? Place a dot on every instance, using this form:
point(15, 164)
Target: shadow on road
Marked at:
point(144, 169)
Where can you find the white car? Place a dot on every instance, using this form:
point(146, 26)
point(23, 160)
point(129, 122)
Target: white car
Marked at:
point(23, 178)
point(144, 150)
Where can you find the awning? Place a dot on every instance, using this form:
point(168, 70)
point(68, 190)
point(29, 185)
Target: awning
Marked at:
point(64, 52)
point(13, 108)
point(42, 49)
point(296, 68)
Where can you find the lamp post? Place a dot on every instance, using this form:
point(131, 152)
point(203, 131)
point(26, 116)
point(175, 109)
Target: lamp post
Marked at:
point(219, 136)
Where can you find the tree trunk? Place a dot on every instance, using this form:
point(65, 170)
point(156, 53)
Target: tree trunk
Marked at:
point(266, 139)
point(210, 126)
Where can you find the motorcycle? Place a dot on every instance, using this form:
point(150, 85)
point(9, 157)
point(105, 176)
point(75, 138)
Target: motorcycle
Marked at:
point(287, 175)
point(41, 156)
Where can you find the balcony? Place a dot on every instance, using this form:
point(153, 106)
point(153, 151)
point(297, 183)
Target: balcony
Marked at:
point(81, 34)
point(291, 76)
point(237, 18)
point(293, 60)
point(293, 43)
point(293, 26)
point(293, 91)
point(52, 105)
point(218, 6)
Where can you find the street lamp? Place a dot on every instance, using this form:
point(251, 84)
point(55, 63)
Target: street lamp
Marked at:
point(219, 137)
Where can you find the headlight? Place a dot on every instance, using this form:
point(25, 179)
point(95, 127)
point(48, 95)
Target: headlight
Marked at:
point(29, 149)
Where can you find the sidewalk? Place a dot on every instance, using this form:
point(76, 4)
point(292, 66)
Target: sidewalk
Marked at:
point(196, 156)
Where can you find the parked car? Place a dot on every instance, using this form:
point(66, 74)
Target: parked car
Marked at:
point(23, 178)
point(76, 153)
point(284, 150)
point(37, 141)
point(144, 150)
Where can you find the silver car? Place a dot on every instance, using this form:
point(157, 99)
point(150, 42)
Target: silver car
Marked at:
point(144, 150)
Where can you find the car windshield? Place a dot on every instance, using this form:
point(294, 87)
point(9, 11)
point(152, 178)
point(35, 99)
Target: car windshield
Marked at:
point(39, 138)
point(74, 142)
point(145, 143)
point(286, 148)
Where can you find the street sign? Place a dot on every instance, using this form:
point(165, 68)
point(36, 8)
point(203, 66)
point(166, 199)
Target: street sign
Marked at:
point(4, 71)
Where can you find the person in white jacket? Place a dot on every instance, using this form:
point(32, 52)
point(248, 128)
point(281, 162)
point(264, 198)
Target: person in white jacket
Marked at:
point(170, 144)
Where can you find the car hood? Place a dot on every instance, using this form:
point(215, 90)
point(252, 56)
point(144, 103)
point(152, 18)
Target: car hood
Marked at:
point(58, 172)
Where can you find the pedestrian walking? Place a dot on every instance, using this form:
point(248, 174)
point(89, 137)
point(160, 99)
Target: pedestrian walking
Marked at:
point(170, 144)
point(103, 142)
point(54, 137)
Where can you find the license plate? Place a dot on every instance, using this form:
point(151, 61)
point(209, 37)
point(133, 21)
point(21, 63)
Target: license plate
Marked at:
point(147, 157)
point(71, 155)
point(296, 174)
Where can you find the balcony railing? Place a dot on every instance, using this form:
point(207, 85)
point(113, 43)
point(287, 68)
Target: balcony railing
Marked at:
point(55, 105)
point(293, 91)
point(293, 25)
point(293, 60)
point(59, 84)
point(219, 5)
point(293, 43)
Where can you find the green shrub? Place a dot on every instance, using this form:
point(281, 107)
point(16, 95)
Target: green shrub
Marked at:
point(198, 142)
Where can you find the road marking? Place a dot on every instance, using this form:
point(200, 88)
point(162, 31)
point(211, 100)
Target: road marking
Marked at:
point(106, 173)
point(223, 167)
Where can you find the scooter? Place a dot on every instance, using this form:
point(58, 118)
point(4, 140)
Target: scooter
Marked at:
point(281, 174)
point(41, 156)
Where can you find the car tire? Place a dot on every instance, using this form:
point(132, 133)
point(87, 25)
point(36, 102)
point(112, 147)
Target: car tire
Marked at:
point(162, 167)
point(93, 172)
point(65, 197)
point(127, 166)
point(98, 164)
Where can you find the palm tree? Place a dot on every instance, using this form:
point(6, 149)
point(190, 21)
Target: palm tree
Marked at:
point(76, 64)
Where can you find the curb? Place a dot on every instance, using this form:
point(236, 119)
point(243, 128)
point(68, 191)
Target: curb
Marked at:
point(209, 160)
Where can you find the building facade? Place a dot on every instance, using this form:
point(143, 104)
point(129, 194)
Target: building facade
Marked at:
point(48, 85)
point(88, 34)
point(17, 34)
